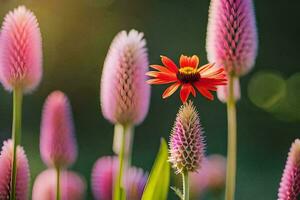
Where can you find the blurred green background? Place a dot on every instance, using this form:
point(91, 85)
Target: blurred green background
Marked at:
point(76, 36)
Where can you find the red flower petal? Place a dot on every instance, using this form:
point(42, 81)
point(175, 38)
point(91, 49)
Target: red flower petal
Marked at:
point(170, 90)
point(204, 91)
point(160, 68)
point(169, 64)
point(186, 61)
point(163, 76)
point(185, 92)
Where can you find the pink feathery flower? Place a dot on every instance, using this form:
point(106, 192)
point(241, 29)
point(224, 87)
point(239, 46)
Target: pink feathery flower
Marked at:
point(72, 185)
point(57, 140)
point(20, 50)
point(125, 95)
point(23, 173)
point(290, 182)
point(222, 91)
point(104, 173)
point(187, 140)
point(212, 175)
point(231, 35)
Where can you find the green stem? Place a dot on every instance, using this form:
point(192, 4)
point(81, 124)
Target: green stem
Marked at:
point(57, 183)
point(16, 136)
point(231, 145)
point(185, 183)
point(118, 185)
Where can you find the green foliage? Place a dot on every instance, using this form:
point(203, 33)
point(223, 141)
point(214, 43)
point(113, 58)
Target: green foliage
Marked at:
point(157, 186)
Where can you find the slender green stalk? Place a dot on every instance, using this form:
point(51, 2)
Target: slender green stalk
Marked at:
point(128, 142)
point(231, 143)
point(185, 183)
point(16, 136)
point(118, 185)
point(57, 183)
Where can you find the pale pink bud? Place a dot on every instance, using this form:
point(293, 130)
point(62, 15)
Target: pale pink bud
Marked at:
point(290, 182)
point(105, 172)
point(211, 176)
point(72, 186)
point(57, 140)
point(23, 173)
point(20, 50)
point(231, 35)
point(187, 140)
point(125, 95)
point(223, 91)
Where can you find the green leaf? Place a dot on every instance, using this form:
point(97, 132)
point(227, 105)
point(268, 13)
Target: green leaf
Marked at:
point(157, 186)
point(178, 192)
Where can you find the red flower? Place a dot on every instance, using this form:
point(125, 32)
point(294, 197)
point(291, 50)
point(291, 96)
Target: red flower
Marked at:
point(205, 78)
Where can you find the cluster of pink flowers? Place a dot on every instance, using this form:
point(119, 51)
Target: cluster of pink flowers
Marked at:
point(125, 98)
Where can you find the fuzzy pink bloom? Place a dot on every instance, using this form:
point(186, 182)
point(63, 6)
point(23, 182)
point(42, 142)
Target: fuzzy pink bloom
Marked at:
point(187, 140)
point(290, 182)
point(104, 173)
point(125, 95)
point(222, 91)
point(23, 173)
point(231, 35)
point(212, 175)
point(57, 141)
point(72, 186)
point(20, 50)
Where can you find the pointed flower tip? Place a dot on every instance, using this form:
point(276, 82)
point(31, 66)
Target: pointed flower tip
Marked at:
point(231, 35)
point(23, 173)
point(187, 141)
point(57, 141)
point(125, 95)
point(290, 181)
point(104, 173)
point(20, 50)
point(72, 185)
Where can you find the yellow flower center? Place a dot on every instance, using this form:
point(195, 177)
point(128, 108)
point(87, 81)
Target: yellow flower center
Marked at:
point(188, 74)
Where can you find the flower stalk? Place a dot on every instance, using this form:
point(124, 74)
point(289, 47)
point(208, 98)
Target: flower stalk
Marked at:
point(118, 184)
point(57, 183)
point(231, 143)
point(185, 183)
point(16, 136)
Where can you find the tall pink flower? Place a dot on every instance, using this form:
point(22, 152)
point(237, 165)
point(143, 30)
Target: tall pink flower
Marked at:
point(23, 173)
point(125, 95)
point(290, 182)
point(232, 39)
point(104, 173)
point(72, 186)
point(20, 50)
point(212, 175)
point(187, 140)
point(57, 140)
point(231, 35)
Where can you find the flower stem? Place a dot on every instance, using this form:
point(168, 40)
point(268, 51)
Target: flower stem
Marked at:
point(185, 183)
point(118, 185)
point(231, 143)
point(57, 183)
point(16, 136)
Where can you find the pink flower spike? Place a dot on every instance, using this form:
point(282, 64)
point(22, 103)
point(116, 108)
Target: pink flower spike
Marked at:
point(23, 173)
point(57, 140)
point(125, 95)
point(20, 51)
point(73, 186)
point(290, 182)
point(187, 146)
point(104, 173)
point(222, 91)
point(211, 176)
point(231, 35)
